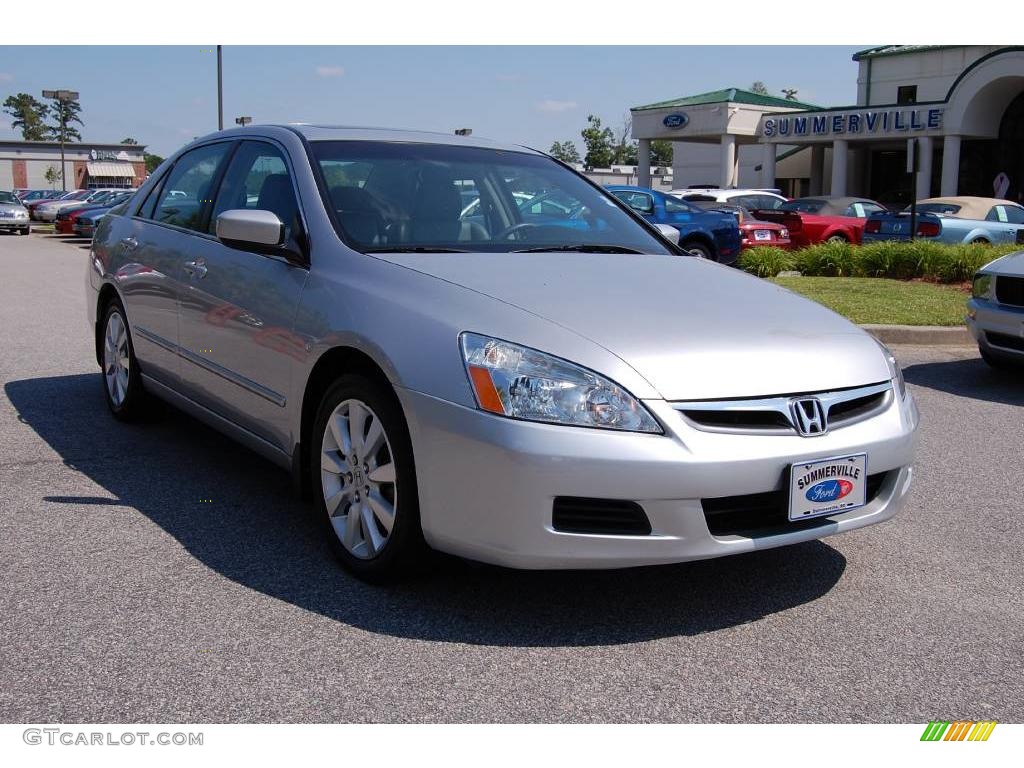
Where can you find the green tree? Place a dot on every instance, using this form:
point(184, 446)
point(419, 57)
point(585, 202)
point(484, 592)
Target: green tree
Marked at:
point(29, 116)
point(759, 88)
point(52, 176)
point(129, 140)
point(152, 161)
point(790, 93)
point(565, 151)
point(599, 143)
point(661, 152)
point(626, 150)
point(64, 113)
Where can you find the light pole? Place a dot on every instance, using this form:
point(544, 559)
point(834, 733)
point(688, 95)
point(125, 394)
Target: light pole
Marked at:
point(62, 97)
point(243, 121)
point(220, 90)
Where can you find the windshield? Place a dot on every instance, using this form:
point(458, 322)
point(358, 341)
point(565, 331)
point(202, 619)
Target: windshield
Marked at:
point(806, 205)
point(7, 197)
point(407, 196)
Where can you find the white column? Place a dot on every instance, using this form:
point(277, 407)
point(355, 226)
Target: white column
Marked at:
point(924, 172)
point(768, 165)
point(643, 163)
point(950, 166)
point(840, 164)
point(817, 168)
point(728, 160)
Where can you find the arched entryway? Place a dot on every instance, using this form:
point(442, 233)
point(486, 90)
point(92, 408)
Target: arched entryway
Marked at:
point(983, 159)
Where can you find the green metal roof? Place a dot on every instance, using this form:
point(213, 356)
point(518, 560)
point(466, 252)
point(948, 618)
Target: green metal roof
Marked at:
point(737, 95)
point(895, 50)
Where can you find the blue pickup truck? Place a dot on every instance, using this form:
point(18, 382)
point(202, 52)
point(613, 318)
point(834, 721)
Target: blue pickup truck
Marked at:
point(711, 235)
point(952, 220)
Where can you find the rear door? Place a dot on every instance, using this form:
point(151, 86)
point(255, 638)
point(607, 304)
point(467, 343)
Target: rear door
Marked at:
point(151, 246)
point(237, 308)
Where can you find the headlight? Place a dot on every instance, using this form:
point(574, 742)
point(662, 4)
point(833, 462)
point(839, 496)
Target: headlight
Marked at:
point(894, 369)
point(21, 214)
point(522, 383)
point(982, 286)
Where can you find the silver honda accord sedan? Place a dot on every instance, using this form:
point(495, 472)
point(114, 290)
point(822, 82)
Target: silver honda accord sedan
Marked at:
point(467, 346)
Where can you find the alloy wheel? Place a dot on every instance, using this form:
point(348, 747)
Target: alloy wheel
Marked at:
point(357, 476)
point(116, 359)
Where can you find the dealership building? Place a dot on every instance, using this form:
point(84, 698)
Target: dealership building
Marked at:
point(24, 165)
point(962, 105)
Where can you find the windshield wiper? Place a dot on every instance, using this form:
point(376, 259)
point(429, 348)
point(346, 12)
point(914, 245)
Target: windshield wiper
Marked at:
point(413, 249)
point(581, 248)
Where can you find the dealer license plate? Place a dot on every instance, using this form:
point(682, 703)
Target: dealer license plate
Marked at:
point(827, 486)
point(762, 234)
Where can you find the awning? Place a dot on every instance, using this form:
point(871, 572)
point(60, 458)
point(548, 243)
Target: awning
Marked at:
point(111, 170)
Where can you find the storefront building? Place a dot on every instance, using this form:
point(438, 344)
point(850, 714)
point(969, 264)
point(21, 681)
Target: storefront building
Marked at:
point(963, 106)
point(26, 165)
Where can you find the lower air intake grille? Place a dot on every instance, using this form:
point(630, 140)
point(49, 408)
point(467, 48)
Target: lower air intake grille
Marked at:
point(601, 516)
point(763, 514)
point(1005, 341)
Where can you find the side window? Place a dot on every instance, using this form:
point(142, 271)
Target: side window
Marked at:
point(996, 213)
point(149, 204)
point(186, 196)
point(1014, 215)
point(638, 201)
point(258, 179)
point(676, 206)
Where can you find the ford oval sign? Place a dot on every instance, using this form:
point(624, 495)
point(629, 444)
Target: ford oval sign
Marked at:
point(829, 490)
point(676, 120)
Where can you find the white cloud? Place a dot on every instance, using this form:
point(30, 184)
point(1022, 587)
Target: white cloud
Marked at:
point(323, 71)
point(6, 77)
point(553, 105)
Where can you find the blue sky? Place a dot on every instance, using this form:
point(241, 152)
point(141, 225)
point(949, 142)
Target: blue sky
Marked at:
point(163, 96)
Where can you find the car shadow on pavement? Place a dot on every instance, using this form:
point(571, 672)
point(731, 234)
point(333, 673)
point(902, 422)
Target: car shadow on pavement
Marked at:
point(970, 377)
point(257, 533)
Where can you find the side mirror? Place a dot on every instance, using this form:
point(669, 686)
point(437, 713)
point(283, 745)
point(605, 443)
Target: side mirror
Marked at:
point(669, 233)
point(253, 230)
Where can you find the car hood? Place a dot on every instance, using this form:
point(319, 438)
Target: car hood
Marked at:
point(692, 328)
point(1010, 264)
point(11, 207)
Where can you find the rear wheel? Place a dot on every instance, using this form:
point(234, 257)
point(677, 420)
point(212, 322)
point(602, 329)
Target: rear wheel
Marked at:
point(836, 239)
point(364, 481)
point(122, 381)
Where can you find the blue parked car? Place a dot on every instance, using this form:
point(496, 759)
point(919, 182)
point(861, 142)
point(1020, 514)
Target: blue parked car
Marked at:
point(711, 235)
point(952, 220)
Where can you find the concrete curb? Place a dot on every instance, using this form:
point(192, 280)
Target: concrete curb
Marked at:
point(924, 335)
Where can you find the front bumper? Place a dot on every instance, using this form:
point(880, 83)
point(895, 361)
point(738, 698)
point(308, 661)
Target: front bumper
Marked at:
point(487, 484)
point(14, 224)
point(994, 326)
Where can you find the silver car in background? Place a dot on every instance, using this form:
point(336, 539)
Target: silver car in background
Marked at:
point(549, 385)
point(995, 312)
point(13, 215)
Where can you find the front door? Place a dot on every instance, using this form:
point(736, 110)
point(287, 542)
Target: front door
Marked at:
point(237, 308)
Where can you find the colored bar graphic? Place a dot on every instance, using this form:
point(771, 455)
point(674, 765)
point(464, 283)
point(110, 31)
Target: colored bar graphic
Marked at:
point(958, 730)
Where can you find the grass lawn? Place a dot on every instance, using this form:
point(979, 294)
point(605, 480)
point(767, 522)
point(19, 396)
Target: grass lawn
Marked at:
point(889, 302)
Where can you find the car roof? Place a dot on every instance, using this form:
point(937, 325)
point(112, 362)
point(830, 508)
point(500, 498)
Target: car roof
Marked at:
point(724, 192)
point(317, 132)
point(970, 207)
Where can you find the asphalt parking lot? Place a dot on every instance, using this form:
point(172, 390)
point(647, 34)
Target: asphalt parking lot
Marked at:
point(127, 596)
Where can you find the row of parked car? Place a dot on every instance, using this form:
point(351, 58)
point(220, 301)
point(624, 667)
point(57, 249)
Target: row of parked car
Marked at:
point(719, 223)
point(73, 213)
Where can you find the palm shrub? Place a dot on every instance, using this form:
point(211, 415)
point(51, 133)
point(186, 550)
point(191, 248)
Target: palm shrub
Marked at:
point(765, 261)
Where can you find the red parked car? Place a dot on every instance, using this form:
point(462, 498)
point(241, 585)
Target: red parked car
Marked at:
point(753, 231)
point(812, 220)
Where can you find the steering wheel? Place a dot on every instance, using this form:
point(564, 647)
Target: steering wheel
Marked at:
point(507, 231)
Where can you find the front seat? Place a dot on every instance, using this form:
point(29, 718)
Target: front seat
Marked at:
point(357, 214)
point(277, 196)
point(436, 210)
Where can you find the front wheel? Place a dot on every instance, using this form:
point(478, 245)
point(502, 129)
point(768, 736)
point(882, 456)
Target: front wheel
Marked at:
point(25, 230)
point(836, 239)
point(364, 481)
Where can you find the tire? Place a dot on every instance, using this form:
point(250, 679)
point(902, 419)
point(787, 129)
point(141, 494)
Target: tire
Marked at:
point(698, 249)
point(980, 241)
point(122, 381)
point(356, 523)
point(26, 231)
point(836, 239)
point(1000, 363)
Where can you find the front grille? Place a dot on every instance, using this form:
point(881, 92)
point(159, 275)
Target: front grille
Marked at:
point(1010, 290)
point(853, 409)
point(766, 514)
point(753, 420)
point(599, 516)
point(1005, 341)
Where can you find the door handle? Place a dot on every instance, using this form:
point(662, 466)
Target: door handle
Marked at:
point(129, 243)
point(196, 268)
